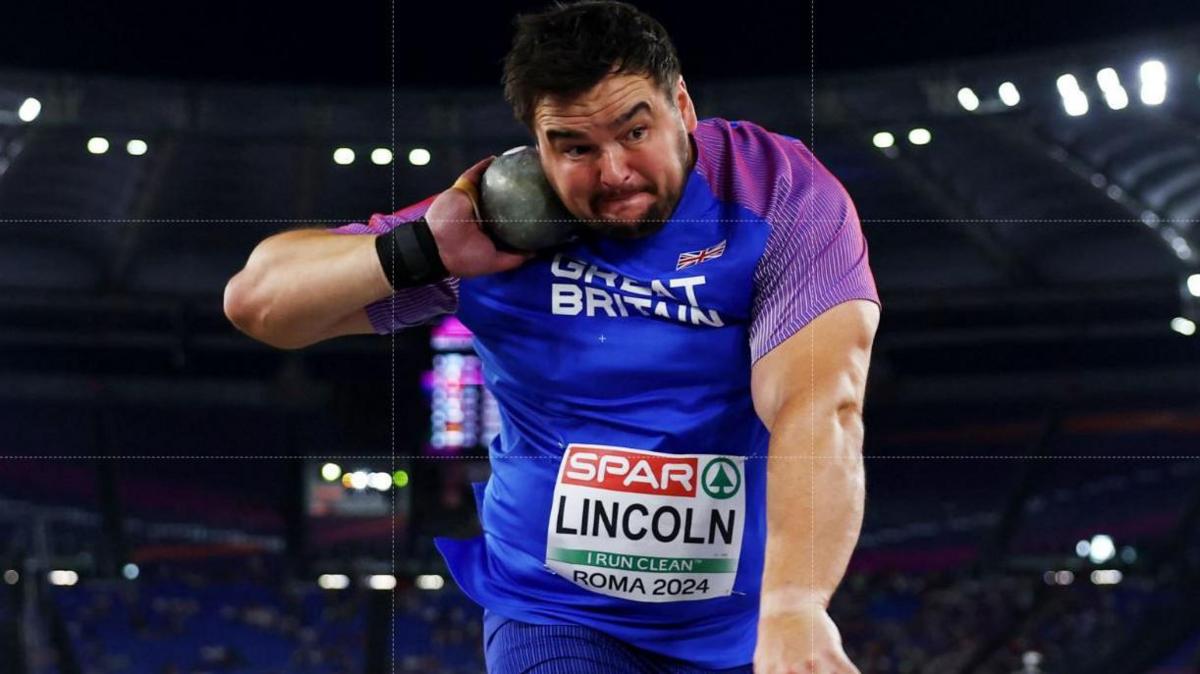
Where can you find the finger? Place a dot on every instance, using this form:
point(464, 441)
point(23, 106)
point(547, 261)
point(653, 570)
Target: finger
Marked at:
point(474, 173)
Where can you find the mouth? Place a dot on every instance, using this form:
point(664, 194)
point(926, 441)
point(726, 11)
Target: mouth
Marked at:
point(625, 205)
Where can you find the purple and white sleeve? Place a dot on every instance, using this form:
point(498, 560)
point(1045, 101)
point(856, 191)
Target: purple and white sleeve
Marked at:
point(407, 307)
point(815, 258)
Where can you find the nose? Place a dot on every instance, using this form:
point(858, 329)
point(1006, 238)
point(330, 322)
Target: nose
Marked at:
point(614, 171)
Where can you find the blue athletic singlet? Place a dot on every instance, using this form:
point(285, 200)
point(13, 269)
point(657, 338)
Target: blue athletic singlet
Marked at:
point(628, 488)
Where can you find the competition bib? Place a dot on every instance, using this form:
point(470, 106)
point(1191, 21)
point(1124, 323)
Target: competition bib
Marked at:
point(647, 526)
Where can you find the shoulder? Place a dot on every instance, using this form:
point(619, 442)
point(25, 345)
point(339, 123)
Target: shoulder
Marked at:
point(772, 175)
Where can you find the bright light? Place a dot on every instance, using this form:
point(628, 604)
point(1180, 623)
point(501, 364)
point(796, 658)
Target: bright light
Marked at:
point(97, 145)
point(1083, 548)
point(1114, 94)
point(1154, 82)
point(131, 571)
point(359, 480)
point(1009, 94)
point(432, 582)
point(968, 99)
point(919, 136)
point(384, 582)
point(1108, 78)
point(333, 581)
point(1117, 99)
point(1074, 100)
point(11, 577)
point(1064, 577)
point(1106, 576)
point(400, 479)
point(1153, 72)
point(343, 156)
point(419, 156)
point(62, 578)
point(379, 481)
point(381, 156)
point(29, 110)
point(1102, 549)
point(136, 147)
point(1183, 326)
point(1193, 285)
point(330, 472)
point(883, 139)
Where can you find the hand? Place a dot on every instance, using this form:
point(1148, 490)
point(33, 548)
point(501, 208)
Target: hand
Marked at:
point(800, 640)
point(465, 249)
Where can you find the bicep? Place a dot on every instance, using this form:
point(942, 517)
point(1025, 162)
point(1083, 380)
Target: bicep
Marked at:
point(825, 362)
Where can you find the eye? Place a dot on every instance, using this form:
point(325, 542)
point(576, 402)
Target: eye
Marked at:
point(576, 151)
point(638, 133)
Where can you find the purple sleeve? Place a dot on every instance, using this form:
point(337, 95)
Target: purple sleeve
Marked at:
point(407, 307)
point(815, 258)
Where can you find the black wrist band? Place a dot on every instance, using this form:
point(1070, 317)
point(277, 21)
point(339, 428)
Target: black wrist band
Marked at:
point(409, 256)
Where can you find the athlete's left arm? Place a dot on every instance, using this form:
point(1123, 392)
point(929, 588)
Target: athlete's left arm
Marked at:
point(809, 392)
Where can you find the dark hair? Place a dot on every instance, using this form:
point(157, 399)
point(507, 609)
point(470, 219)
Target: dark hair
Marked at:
point(568, 48)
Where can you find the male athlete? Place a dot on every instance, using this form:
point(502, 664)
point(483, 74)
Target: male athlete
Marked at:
point(677, 485)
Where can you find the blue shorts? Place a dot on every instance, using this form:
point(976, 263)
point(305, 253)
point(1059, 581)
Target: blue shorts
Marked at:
point(513, 647)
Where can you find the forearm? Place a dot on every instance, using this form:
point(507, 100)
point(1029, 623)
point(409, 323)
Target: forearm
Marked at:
point(816, 494)
point(298, 284)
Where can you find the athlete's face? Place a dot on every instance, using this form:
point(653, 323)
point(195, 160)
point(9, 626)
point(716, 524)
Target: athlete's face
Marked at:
point(618, 154)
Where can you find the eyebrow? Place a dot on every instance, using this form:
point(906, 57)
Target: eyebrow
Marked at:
point(560, 134)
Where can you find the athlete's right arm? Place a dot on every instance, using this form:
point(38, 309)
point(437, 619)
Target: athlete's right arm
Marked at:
point(305, 286)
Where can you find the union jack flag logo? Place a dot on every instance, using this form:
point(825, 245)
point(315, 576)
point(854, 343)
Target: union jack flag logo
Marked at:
point(695, 257)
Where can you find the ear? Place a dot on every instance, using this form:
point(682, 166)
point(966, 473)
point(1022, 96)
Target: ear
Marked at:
point(683, 102)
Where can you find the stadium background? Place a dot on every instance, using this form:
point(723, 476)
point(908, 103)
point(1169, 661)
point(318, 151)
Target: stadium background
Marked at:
point(176, 498)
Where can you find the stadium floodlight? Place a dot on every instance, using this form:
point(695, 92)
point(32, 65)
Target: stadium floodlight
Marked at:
point(1183, 326)
point(419, 156)
point(919, 136)
point(382, 582)
point(1102, 549)
point(11, 577)
point(330, 472)
point(1106, 576)
point(333, 581)
point(359, 480)
point(1074, 100)
point(381, 156)
point(63, 578)
point(131, 571)
point(429, 582)
point(1009, 94)
point(883, 139)
point(379, 481)
point(97, 145)
point(1193, 285)
point(968, 99)
point(1154, 82)
point(1083, 548)
point(1108, 78)
point(1110, 84)
point(343, 156)
point(29, 110)
point(136, 147)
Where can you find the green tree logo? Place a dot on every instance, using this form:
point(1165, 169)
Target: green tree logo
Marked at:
point(721, 478)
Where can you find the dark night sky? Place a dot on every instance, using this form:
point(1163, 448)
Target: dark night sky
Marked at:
point(348, 42)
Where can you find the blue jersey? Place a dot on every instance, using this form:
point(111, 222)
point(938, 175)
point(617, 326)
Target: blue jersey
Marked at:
point(628, 485)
